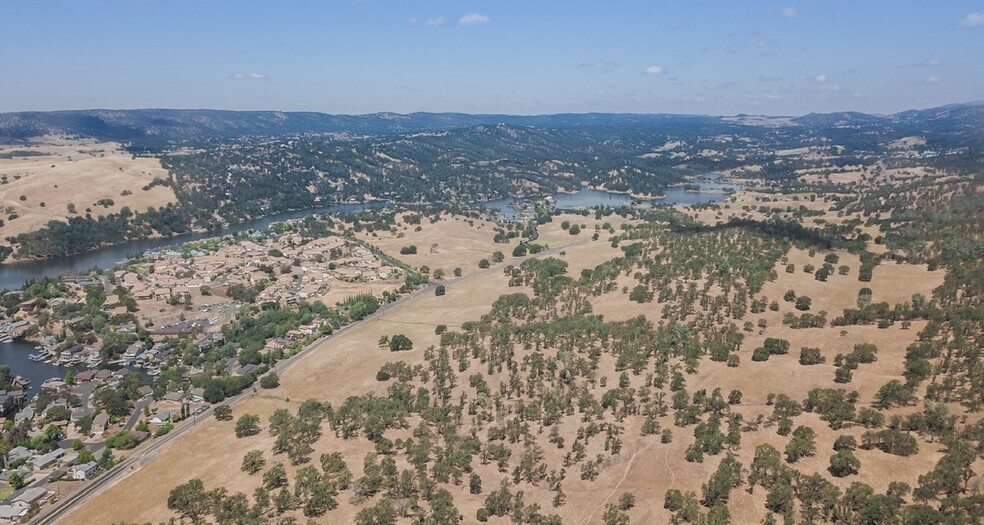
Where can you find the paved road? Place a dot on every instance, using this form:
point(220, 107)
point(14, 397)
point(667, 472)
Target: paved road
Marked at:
point(148, 452)
point(138, 409)
point(63, 507)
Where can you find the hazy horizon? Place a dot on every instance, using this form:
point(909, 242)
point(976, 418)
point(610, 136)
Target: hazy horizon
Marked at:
point(375, 56)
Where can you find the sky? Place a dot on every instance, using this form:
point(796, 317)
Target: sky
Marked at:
point(497, 56)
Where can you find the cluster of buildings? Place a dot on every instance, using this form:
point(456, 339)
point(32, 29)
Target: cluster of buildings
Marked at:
point(174, 294)
point(290, 268)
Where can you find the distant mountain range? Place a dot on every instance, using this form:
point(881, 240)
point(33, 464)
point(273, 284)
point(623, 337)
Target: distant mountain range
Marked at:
point(153, 125)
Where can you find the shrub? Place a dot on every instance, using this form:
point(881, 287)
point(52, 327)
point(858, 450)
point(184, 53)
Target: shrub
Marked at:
point(271, 380)
point(845, 442)
point(810, 356)
point(223, 413)
point(399, 343)
point(253, 462)
point(803, 303)
point(843, 463)
point(776, 346)
point(247, 425)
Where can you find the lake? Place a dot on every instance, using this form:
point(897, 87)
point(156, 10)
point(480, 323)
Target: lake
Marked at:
point(15, 354)
point(589, 198)
point(14, 275)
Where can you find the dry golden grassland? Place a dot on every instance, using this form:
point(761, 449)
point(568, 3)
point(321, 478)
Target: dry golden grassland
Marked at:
point(80, 172)
point(346, 365)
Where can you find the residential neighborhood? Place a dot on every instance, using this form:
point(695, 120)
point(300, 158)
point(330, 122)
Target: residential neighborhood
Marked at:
point(144, 347)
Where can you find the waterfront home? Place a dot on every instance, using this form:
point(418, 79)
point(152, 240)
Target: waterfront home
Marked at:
point(10, 400)
point(85, 377)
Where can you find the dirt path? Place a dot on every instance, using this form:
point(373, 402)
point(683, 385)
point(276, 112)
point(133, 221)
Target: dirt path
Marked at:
point(628, 467)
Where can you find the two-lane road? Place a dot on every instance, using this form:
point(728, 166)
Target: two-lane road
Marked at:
point(148, 452)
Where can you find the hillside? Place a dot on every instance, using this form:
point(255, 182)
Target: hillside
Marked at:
point(228, 167)
point(646, 368)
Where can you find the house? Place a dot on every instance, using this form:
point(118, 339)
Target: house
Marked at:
point(83, 471)
point(133, 350)
point(18, 329)
point(25, 475)
point(18, 453)
point(161, 417)
point(174, 397)
point(145, 390)
point(24, 415)
point(100, 422)
point(29, 496)
point(85, 376)
point(245, 369)
point(276, 344)
point(197, 394)
point(10, 400)
point(47, 460)
point(12, 513)
point(79, 413)
point(140, 435)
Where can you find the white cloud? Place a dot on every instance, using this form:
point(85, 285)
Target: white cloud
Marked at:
point(820, 78)
point(654, 70)
point(934, 62)
point(934, 79)
point(973, 20)
point(473, 19)
point(413, 21)
point(789, 12)
point(249, 76)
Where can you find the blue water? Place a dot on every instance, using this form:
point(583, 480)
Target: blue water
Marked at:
point(589, 198)
point(15, 354)
point(13, 275)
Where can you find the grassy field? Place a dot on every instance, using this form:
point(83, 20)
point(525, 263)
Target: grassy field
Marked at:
point(347, 364)
point(41, 179)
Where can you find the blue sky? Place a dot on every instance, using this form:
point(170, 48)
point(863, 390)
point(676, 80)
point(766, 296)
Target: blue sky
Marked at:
point(501, 56)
